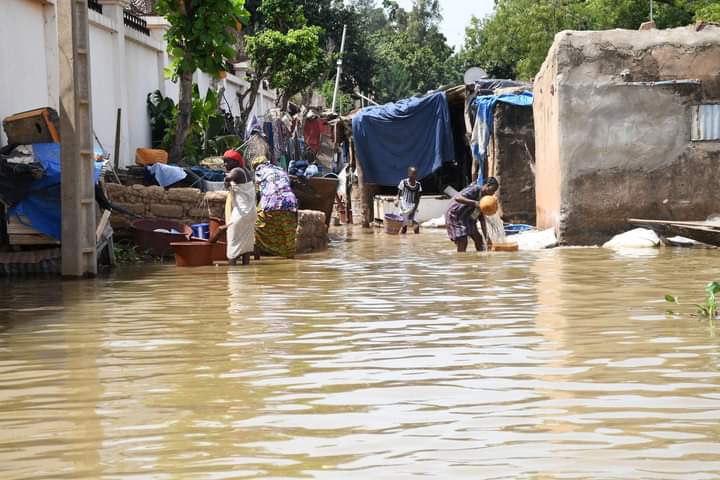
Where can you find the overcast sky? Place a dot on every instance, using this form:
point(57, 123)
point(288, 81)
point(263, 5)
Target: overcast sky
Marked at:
point(456, 16)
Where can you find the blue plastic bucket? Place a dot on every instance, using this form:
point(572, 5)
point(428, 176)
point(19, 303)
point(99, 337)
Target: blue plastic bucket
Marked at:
point(511, 228)
point(201, 230)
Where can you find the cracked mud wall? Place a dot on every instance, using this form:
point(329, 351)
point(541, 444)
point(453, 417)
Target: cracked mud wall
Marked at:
point(608, 150)
point(512, 160)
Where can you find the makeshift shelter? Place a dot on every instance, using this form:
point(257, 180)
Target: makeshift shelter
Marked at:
point(427, 132)
point(503, 146)
point(412, 132)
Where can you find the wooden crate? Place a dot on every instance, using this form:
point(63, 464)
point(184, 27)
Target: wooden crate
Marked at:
point(21, 233)
point(35, 126)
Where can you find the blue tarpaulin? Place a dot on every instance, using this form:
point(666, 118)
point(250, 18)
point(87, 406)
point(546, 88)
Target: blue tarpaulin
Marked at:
point(412, 132)
point(42, 204)
point(484, 123)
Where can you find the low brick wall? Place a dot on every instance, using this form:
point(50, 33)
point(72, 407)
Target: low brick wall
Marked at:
point(190, 205)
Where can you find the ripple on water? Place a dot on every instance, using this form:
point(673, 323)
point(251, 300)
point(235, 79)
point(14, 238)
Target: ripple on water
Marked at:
point(385, 357)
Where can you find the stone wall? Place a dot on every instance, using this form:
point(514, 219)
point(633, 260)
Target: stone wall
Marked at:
point(511, 159)
point(190, 205)
point(611, 146)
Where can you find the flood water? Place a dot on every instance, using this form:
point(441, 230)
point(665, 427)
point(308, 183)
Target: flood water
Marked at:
point(384, 357)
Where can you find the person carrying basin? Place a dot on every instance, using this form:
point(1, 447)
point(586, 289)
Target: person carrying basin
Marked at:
point(469, 206)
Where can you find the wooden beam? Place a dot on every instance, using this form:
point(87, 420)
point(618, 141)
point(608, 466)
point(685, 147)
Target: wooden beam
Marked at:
point(79, 256)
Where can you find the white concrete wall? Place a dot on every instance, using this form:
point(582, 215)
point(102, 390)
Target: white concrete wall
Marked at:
point(23, 70)
point(103, 101)
point(142, 77)
point(125, 64)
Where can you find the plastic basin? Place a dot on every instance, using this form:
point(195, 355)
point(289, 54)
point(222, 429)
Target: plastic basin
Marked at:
point(193, 254)
point(158, 243)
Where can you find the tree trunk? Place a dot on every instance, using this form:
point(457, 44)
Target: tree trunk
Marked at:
point(364, 195)
point(282, 102)
point(184, 119)
point(246, 107)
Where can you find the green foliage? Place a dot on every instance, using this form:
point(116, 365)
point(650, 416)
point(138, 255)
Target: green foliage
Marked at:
point(209, 134)
point(219, 145)
point(358, 61)
point(709, 308)
point(514, 41)
point(201, 34)
point(284, 49)
point(161, 111)
point(127, 254)
point(412, 54)
point(708, 13)
point(291, 60)
point(344, 102)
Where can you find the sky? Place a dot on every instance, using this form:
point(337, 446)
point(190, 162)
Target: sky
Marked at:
point(456, 16)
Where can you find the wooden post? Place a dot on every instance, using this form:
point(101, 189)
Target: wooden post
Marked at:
point(348, 183)
point(79, 248)
point(116, 153)
point(363, 189)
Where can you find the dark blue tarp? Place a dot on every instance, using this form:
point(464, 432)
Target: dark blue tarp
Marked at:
point(483, 128)
point(42, 205)
point(390, 138)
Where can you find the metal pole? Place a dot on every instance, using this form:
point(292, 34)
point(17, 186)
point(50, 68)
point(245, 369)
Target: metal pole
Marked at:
point(339, 68)
point(651, 10)
point(77, 185)
point(367, 99)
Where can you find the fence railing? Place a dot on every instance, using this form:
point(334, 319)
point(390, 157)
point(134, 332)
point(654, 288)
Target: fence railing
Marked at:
point(94, 5)
point(136, 23)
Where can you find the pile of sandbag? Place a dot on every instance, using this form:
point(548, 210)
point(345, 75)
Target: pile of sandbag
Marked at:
point(312, 233)
point(636, 238)
point(535, 239)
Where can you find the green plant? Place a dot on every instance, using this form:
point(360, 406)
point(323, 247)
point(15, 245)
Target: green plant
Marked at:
point(284, 50)
point(202, 36)
point(344, 102)
point(161, 111)
point(219, 145)
point(127, 254)
point(208, 131)
point(709, 308)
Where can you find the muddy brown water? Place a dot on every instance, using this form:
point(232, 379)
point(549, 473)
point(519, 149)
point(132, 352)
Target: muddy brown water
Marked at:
point(384, 357)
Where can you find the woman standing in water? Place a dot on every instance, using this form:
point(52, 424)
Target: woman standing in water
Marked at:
point(276, 224)
point(240, 214)
point(240, 211)
point(462, 215)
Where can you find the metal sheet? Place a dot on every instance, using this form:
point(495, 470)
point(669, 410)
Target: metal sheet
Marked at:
point(706, 122)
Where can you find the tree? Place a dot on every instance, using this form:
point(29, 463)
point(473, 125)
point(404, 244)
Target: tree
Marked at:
point(358, 61)
point(514, 40)
point(201, 36)
point(412, 54)
point(283, 50)
point(709, 13)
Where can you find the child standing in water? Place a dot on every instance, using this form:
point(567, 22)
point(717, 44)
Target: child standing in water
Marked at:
point(408, 199)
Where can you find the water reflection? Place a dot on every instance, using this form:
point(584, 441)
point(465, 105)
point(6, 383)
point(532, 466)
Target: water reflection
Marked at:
point(388, 357)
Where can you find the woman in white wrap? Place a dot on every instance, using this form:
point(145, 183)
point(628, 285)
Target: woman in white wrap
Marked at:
point(240, 215)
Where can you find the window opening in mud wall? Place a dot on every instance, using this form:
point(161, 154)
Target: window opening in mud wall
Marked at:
point(706, 122)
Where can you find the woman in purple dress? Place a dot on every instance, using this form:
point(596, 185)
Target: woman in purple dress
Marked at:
point(464, 212)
